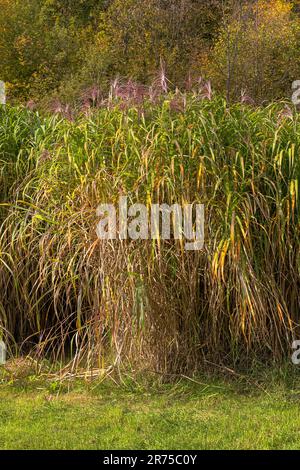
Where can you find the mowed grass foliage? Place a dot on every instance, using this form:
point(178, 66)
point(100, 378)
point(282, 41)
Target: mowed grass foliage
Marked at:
point(66, 294)
point(212, 416)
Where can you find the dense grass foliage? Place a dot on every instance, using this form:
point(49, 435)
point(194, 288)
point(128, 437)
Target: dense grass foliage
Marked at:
point(64, 293)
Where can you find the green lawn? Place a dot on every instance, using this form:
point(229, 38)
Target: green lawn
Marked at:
point(192, 416)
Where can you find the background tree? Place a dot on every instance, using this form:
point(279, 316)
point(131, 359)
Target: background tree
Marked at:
point(257, 51)
point(143, 33)
point(57, 48)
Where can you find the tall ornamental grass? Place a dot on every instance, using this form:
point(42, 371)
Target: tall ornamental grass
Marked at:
point(65, 294)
